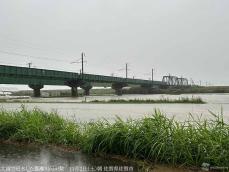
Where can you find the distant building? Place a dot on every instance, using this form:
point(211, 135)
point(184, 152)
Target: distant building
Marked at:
point(6, 91)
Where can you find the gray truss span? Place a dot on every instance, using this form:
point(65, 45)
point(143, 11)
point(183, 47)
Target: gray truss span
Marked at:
point(175, 81)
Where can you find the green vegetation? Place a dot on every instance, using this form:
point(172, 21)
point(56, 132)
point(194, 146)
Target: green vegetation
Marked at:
point(178, 90)
point(162, 140)
point(114, 101)
point(156, 138)
point(37, 126)
point(152, 101)
point(132, 90)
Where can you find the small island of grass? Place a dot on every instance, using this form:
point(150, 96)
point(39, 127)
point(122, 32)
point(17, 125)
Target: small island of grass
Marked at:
point(151, 101)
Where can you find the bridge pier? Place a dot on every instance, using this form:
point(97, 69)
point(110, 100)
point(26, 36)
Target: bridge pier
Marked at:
point(86, 87)
point(87, 92)
point(118, 88)
point(36, 89)
point(74, 91)
point(147, 88)
point(74, 84)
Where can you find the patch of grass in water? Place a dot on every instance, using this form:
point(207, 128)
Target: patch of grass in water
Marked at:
point(152, 101)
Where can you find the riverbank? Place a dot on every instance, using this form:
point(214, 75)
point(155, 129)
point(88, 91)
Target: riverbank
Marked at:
point(156, 138)
point(133, 90)
point(65, 92)
point(178, 90)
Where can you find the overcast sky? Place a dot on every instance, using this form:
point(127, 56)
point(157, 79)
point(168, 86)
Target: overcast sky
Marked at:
point(186, 38)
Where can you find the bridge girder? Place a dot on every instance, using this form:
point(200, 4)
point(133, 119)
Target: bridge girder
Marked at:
point(24, 75)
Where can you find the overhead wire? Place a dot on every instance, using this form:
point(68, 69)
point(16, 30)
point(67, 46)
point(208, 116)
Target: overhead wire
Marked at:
point(31, 56)
point(26, 55)
point(28, 44)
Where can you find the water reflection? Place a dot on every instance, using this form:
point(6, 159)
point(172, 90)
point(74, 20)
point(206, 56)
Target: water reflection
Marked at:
point(50, 159)
point(29, 158)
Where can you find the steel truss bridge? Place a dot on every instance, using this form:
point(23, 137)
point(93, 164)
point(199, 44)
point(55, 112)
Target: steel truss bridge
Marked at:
point(175, 81)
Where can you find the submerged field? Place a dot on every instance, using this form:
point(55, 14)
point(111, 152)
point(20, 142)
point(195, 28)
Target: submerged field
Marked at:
point(156, 138)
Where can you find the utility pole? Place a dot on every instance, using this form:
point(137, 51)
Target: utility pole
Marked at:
point(126, 70)
point(152, 74)
point(29, 64)
point(82, 61)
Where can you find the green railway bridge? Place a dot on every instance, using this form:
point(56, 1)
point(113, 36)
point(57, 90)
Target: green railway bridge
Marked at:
point(37, 78)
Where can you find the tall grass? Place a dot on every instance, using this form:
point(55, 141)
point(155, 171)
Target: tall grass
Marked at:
point(155, 138)
point(162, 140)
point(38, 126)
point(152, 101)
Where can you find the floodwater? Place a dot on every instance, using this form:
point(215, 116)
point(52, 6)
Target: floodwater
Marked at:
point(30, 158)
point(33, 158)
point(216, 103)
point(48, 159)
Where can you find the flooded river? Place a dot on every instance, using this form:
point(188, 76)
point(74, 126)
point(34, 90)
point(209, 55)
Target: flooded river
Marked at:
point(87, 112)
point(55, 160)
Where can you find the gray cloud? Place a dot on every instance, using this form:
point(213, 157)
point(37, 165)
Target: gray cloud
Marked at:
point(181, 37)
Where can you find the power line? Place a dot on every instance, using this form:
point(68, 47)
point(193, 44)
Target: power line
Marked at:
point(13, 64)
point(28, 44)
point(31, 56)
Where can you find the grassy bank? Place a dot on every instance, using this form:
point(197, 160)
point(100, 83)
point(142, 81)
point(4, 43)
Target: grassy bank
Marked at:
point(156, 138)
point(152, 101)
point(178, 90)
point(37, 126)
point(162, 140)
point(133, 90)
